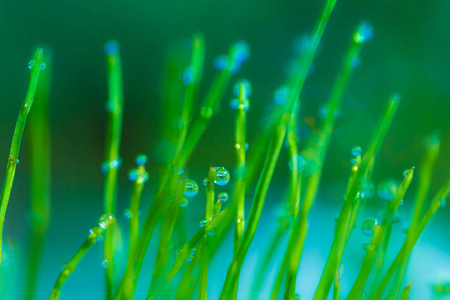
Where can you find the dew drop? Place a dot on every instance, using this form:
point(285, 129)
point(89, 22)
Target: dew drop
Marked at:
point(237, 87)
point(364, 33)
point(133, 175)
point(189, 75)
point(143, 178)
point(202, 223)
point(356, 151)
point(106, 220)
point(324, 112)
point(355, 62)
point(234, 103)
point(31, 64)
point(105, 263)
point(184, 202)
point(205, 181)
point(368, 227)
point(443, 202)
point(281, 95)
point(141, 160)
point(127, 213)
point(178, 171)
point(190, 188)
point(366, 189)
point(178, 252)
point(221, 62)
point(111, 48)
point(192, 281)
point(190, 258)
point(223, 197)
point(241, 51)
point(17, 161)
point(406, 172)
point(206, 112)
point(222, 176)
point(386, 189)
point(113, 164)
point(300, 163)
point(193, 250)
point(42, 66)
point(110, 105)
point(362, 295)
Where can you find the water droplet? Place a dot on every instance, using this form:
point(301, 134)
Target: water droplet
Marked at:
point(406, 172)
point(192, 281)
point(355, 62)
point(364, 33)
point(241, 51)
point(245, 105)
point(396, 97)
point(386, 189)
point(105, 263)
point(42, 66)
point(302, 44)
point(205, 181)
point(193, 250)
point(234, 103)
point(368, 227)
point(190, 188)
point(189, 75)
point(234, 67)
point(362, 295)
point(324, 112)
point(106, 220)
point(366, 188)
point(184, 202)
point(202, 223)
point(239, 146)
point(281, 95)
point(31, 64)
point(178, 252)
point(222, 176)
point(300, 163)
point(141, 160)
point(356, 151)
point(111, 48)
point(127, 213)
point(211, 233)
point(443, 202)
point(190, 258)
point(178, 171)
point(113, 164)
point(133, 175)
point(247, 85)
point(221, 62)
point(223, 197)
point(17, 161)
point(206, 112)
point(143, 178)
point(110, 105)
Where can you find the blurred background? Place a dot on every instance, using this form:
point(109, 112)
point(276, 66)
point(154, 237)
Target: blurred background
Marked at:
point(408, 54)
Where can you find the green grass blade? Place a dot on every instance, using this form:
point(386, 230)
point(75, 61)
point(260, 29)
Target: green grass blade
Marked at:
point(40, 155)
point(17, 139)
point(95, 233)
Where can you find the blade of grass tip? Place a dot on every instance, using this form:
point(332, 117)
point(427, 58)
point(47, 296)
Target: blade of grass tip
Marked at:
point(184, 252)
point(405, 293)
point(337, 285)
point(111, 165)
point(139, 176)
point(432, 148)
point(274, 150)
point(204, 245)
point(243, 89)
point(255, 212)
point(95, 233)
point(39, 137)
point(351, 197)
point(36, 65)
point(294, 193)
point(379, 236)
point(191, 78)
point(413, 235)
point(230, 64)
point(333, 106)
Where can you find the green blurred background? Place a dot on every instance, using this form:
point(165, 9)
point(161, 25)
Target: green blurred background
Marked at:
point(408, 55)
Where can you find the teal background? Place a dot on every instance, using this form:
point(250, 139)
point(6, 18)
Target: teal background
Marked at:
point(408, 55)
